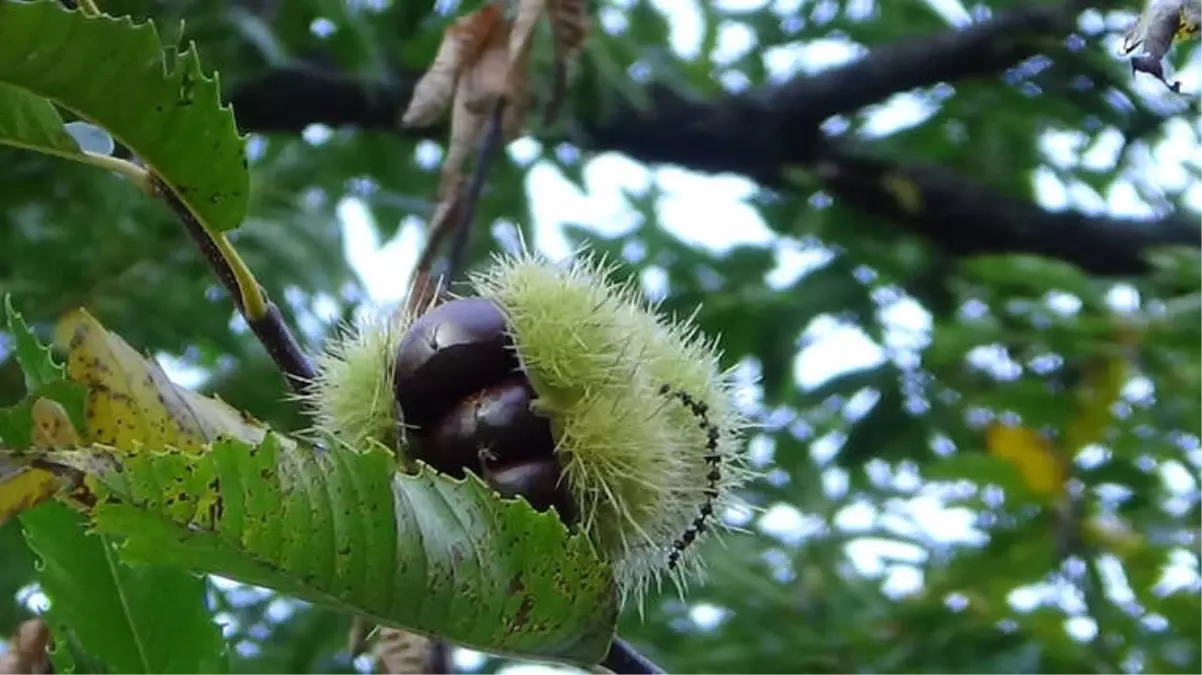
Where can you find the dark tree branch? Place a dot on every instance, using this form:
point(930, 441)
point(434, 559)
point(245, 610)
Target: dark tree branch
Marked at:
point(968, 218)
point(757, 132)
point(289, 99)
point(760, 133)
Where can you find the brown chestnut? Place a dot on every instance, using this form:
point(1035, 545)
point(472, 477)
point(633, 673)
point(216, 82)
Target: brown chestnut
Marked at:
point(467, 404)
point(537, 480)
point(451, 351)
point(495, 422)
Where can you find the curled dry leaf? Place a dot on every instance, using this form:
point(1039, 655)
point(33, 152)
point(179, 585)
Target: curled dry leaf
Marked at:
point(477, 91)
point(472, 72)
point(483, 61)
point(1162, 23)
point(26, 653)
point(461, 46)
point(569, 26)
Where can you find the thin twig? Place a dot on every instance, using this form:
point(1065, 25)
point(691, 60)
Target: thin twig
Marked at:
point(457, 221)
point(266, 323)
point(425, 285)
point(466, 210)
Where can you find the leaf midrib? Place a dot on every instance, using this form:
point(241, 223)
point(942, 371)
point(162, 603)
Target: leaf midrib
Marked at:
point(133, 629)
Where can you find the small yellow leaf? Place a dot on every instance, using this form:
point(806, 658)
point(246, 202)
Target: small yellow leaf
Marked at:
point(52, 427)
point(23, 487)
point(1112, 535)
point(905, 193)
point(1042, 469)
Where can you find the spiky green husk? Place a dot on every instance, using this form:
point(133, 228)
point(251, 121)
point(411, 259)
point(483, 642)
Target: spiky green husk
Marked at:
point(352, 396)
point(598, 357)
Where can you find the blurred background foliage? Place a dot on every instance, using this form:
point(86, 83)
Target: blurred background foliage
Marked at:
point(891, 536)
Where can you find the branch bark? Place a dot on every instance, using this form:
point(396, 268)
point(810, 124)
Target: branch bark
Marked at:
point(762, 133)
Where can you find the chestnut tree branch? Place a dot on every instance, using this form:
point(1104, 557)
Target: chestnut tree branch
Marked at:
point(761, 133)
point(269, 327)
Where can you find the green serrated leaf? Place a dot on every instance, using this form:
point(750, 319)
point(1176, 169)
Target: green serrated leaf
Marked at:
point(35, 360)
point(31, 122)
point(148, 619)
point(23, 487)
point(425, 552)
point(115, 74)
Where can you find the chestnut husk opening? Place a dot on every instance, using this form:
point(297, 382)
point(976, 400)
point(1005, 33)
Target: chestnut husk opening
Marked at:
point(450, 352)
point(466, 404)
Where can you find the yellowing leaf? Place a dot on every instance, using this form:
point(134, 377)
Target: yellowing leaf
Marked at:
point(24, 487)
point(1099, 389)
point(1042, 469)
point(132, 403)
point(52, 427)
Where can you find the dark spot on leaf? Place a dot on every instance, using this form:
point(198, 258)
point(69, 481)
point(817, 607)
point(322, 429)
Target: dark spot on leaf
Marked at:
point(523, 614)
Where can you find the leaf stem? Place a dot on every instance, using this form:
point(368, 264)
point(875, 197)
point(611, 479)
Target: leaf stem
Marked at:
point(135, 173)
point(489, 146)
point(457, 221)
point(261, 314)
point(250, 295)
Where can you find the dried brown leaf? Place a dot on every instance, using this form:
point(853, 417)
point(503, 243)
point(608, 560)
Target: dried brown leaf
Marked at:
point(476, 93)
point(26, 653)
point(569, 27)
point(461, 46)
point(521, 37)
point(1162, 23)
point(403, 653)
point(487, 78)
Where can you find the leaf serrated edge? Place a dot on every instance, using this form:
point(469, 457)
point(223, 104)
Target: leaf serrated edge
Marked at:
point(188, 59)
point(14, 322)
